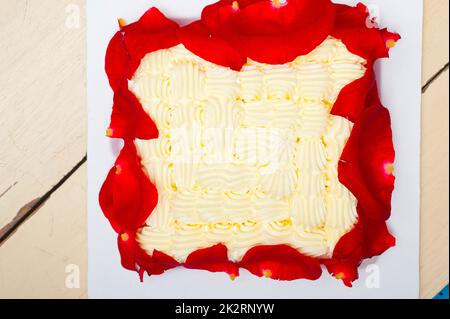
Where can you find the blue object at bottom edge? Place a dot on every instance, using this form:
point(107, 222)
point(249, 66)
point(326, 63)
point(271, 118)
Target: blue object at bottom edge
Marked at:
point(443, 294)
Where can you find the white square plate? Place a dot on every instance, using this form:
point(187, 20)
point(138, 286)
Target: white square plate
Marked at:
point(393, 275)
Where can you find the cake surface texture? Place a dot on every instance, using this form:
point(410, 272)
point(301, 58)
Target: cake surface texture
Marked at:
point(253, 138)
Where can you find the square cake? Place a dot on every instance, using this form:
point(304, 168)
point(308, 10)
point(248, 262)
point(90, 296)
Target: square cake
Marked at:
point(253, 138)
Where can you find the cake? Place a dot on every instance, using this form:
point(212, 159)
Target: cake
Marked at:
point(253, 138)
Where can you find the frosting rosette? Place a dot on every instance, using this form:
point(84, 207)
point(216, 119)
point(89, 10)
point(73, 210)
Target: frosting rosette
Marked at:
point(301, 70)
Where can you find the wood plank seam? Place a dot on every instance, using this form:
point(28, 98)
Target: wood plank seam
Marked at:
point(8, 189)
point(23, 216)
point(434, 77)
point(29, 209)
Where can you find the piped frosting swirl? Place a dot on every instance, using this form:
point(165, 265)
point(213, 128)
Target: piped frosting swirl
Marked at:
point(246, 158)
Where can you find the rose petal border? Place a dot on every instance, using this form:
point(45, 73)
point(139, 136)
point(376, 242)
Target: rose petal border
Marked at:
point(365, 167)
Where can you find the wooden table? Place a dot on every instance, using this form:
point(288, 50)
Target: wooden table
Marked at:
point(43, 129)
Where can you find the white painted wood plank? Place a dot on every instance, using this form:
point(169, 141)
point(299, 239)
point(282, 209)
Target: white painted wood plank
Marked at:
point(435, 201)
point(33, 261)
point(42, 98)
point(435, 40)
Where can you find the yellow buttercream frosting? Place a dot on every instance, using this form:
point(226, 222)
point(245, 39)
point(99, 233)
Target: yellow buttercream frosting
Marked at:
point(246, 158)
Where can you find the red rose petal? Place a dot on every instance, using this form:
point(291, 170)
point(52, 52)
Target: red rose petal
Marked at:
point(164, 259)
point(152, 21)
point(126, 243)
point(213, 259)
point(128, 119)
point(280, 262)
point(367, 239)
point(117, 61)
point(268, 34)
point(217, 15)
point(362, 168)
point(156, 264)
point(151, 33)
point(352, 100)
point(365, 169)
point(133, 257)
point(127, 48)
point(197, 39)
point(345, 271)
point(377, 239)
point(353, 27)
point(127, 197)
point(140, 43)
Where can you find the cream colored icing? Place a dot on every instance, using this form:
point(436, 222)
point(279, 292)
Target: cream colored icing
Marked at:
point(246, 158)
